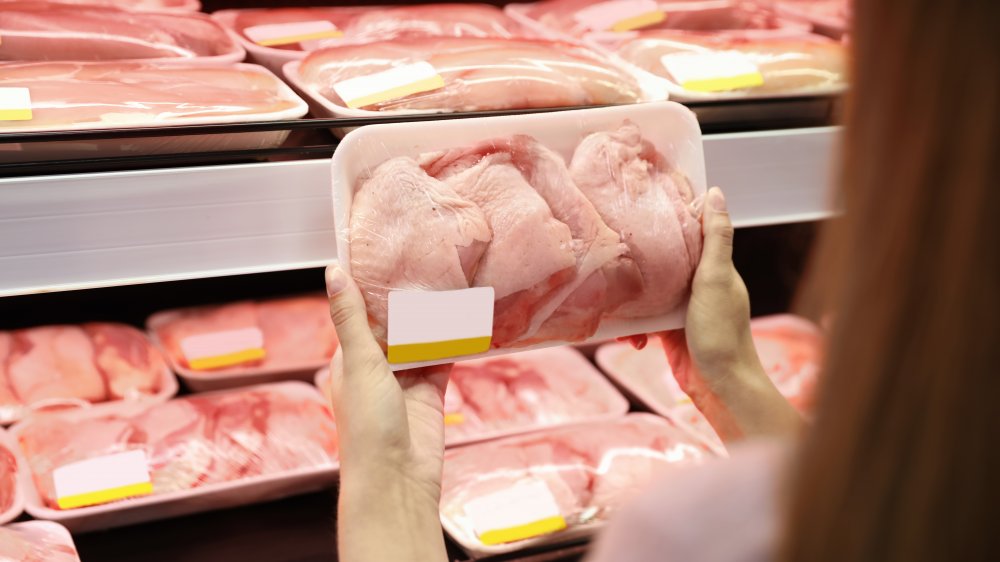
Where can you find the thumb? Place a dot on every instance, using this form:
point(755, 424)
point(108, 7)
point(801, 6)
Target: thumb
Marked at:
point(717, 229)
point(350, 318)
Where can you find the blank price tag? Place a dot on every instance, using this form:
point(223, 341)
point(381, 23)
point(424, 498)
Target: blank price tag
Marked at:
point(620, 15)
point(712, 72)
point(223, 349)
point(15, 104)
point(429, 325)
point(272, 35)
point(391, 84)
point(525, 510)
point(102, 480)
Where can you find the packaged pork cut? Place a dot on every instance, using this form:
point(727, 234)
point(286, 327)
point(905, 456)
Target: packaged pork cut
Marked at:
point(790, 349)
point(275, 36)
point(54, 366)
point(44, 31)
point(11, 496)
point(458, 74)
point(191, 454)
point(135, 5)
point(37, 541)
point(247, 342)
point(81, 96)
point(490, 235)
point(556, 485)
point(501, 396)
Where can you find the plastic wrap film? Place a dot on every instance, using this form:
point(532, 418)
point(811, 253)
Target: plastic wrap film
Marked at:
point(470, 74)
point(44, 31)
point(136, 5)
point(11, 500)
point(790, 349)
point(502, 396)
point(190, 443)
point(572, 218)
point(589, 470)
point(53, 366)
point(37, 541)
point(827, 16)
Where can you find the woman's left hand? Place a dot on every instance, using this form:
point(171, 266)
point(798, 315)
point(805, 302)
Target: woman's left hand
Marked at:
point(391, 428)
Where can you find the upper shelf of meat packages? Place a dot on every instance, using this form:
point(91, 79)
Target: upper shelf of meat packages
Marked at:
point(150, 141)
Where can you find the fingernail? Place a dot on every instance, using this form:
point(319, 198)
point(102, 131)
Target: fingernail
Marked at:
point(716, 199)
point(336, 280)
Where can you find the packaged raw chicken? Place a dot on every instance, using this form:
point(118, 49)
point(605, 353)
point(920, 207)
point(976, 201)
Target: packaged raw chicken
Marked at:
point(190, 454)
point(37, 541)
point(44, 31)
point(444, 74)
point(53, 366)
point(558, 484)
point(498, 234)
point(136, 5)
point(500, 396)
point(275, 36)
point(829, 17)
point(78, 96)
point(790, 349)
point(11, 497)
point(246, 342)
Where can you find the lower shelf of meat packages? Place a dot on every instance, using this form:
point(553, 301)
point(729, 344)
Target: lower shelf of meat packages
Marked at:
point(76, 231)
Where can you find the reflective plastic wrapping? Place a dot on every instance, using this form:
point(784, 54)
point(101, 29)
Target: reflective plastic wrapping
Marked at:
point(790, 349)
point(501, 396)
point(59, 365)
point(576, 220)
point(590, 470)
point(43, 31)
point(11, 503)
point(190, 443)
point(137, 5)
point(37, 541)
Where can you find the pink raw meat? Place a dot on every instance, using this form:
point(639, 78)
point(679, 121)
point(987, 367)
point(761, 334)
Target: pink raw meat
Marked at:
point(137, 5)
point(339, 16)
point(8, 399)
point(63, 93)
point(195, 441)
point(530, 257)
point(433, 20)
point(411, 231)
point(206, 320)
point(534, 73)
point(32, 542)
point(43, 31)
point(129, 363)
point(639, 195)
point(589, 468)
point(8, 479)
point(297, 330)
point(54, 362)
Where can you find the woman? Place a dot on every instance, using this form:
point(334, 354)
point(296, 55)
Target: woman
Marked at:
point(900, 461)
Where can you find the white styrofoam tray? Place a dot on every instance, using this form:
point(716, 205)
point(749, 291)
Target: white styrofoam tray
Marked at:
point(671, 127)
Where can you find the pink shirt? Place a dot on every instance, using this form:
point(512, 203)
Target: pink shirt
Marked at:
point(725, 511)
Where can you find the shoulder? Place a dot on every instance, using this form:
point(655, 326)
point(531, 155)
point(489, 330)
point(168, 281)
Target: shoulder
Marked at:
point(725, 510)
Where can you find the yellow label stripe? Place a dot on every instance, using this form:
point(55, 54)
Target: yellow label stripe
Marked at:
point(105, 496)
point(426, 85)
point(413, 352)
point(227, 360)
point(751, 80)
point(526, 531)
point(15, 114)
point(640, 21)
point(287, 40)
point(456, 418)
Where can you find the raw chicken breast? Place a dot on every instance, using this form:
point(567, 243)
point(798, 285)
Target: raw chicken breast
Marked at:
point(131, 94)
point(789, 63)
point(533, 73)
point(649, 204)
point(43, 31)
point(8, 399)
point(136, 5)
point(411, 231)
point(295, 329)
point(204, 320)
point(590, 469)
point(131, 366)
point(195, 441)
point(54, 362)
point(37, 541)
point(8, 479)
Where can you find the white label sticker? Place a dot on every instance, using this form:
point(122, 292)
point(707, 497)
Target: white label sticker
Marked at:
point(428, 325)
point(712, 72)
point(620, 15)
point(15, 104)
point(272, 35)
point(102, 479)
point(223, 349)
point(391, 84)
point(526, 509)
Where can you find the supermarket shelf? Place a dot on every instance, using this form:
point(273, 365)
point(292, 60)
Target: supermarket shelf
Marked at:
point(67, 232)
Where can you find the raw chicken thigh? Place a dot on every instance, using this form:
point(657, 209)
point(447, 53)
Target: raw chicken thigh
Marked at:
point(37, 541)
